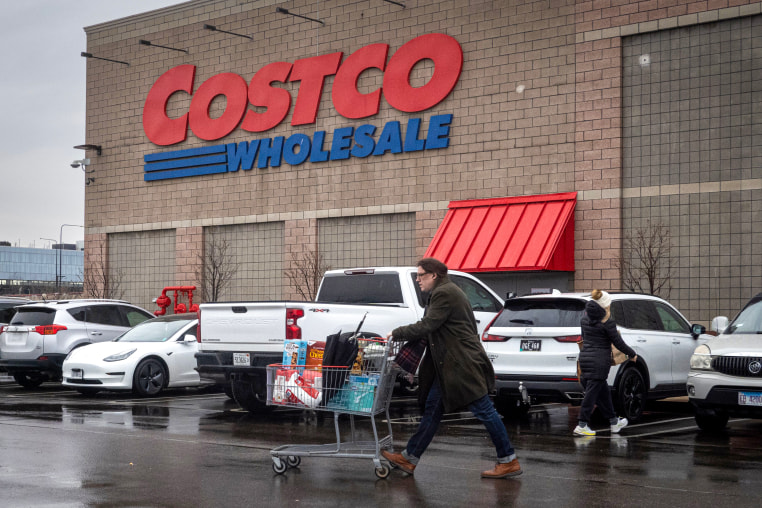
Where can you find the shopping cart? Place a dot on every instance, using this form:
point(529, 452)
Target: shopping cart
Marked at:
point(365, 389)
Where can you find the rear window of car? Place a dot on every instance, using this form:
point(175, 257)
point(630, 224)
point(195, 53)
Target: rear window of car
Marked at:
point(361, 289)
point(34, 316)
point(555, 312)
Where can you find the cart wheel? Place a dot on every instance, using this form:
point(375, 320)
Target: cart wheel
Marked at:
point(279, 467)
point(383, 471)
point(293, 461)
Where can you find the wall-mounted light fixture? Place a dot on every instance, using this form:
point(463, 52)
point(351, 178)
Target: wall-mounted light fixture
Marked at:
point(395, 3)
point(281, 10)
point(149, 43)
point(215, 29)
point(90, 55)
point(97, 148)
point(83, 163)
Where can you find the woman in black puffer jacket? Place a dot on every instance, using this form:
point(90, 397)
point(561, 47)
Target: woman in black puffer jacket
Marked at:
point(598, 334)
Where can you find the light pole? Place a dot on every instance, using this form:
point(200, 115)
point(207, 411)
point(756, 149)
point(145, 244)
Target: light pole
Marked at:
point(55, 263)
point(59, 277)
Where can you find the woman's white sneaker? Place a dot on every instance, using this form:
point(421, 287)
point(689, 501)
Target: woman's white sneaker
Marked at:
point(584, 431)
point(619, 425)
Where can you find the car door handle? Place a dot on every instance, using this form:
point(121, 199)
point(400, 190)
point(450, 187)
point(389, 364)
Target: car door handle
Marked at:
point(96, 333)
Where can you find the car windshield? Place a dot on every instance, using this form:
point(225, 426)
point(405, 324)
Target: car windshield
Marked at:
point(152, 331)
point(749, 320)
point(546, 312)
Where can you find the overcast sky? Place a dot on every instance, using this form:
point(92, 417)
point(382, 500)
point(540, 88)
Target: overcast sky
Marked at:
point(42, 117)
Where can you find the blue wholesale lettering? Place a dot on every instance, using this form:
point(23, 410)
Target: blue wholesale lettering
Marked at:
point(345, 143)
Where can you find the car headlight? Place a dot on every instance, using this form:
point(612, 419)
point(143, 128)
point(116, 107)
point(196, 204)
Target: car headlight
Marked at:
point(119, 356)
point(701, 358)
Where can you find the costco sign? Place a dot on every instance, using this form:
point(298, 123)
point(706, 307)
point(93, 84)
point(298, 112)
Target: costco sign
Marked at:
point(275, 103)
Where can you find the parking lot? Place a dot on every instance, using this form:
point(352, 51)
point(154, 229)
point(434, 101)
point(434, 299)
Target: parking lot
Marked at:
point(197, 448)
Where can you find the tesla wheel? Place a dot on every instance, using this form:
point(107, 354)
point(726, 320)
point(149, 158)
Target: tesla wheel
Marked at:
point(712, 421)
point(631, 394)
point(149, 378)
point(28, 381)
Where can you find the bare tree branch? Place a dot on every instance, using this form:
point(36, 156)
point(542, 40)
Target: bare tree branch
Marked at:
point(646, 264)
point(306, 272)
point(99, 281)
point(217, 266)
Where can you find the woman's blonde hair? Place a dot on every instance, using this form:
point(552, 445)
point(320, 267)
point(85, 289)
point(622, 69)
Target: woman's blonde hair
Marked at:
point(596, 294)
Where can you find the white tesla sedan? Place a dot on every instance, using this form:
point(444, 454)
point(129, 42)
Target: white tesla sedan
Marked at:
point(156, 354)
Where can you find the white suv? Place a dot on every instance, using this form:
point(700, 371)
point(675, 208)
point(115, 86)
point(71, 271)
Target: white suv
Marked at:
point(533, 345)
point(40, 335)
point(726, 372)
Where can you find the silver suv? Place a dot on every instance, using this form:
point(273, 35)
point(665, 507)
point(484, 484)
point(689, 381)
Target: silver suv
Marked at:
point(533, 345)
point(40, 335)
point(726, 372)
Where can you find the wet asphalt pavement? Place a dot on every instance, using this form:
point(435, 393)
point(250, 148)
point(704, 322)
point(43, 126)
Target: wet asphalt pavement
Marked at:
point(196, 448)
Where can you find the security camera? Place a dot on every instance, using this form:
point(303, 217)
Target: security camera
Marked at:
point(82, 162)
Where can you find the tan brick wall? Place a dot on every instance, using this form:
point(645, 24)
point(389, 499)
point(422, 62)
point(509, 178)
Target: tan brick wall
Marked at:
point(561, 133)
point(189, 242)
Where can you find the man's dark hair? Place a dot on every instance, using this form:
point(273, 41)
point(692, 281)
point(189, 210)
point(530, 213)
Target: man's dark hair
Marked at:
point(434, 266)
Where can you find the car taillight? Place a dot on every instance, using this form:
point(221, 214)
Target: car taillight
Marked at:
point(485, 333)
point(198, 327)
point(49, 329)
point(494, 338)
point(569, 338)
point(293, 331)
point(2, 328)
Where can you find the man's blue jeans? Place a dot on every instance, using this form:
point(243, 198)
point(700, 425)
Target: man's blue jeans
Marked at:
point(482, 408)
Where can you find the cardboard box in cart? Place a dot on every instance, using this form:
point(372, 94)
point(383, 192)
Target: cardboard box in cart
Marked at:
point(294, 352)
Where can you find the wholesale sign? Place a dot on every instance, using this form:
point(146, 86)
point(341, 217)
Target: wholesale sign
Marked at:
point(275, 103)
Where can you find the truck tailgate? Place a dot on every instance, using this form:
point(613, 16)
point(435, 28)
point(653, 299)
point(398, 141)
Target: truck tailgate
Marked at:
point(259, 326)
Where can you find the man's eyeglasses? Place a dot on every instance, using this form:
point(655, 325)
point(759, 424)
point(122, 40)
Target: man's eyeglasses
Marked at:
point(420, 275)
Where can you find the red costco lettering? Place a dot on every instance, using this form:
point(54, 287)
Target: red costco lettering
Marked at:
point(159, 128)
point(441, 49)
point(233, 87)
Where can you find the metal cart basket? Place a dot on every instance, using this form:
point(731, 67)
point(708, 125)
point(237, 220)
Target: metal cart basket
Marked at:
point(365, 389)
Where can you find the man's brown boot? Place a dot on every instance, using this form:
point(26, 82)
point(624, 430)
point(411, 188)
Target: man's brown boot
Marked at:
point(504, 470)
point(398, 460)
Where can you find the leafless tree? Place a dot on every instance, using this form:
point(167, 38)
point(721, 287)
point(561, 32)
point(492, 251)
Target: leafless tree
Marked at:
point(99, 281)
point(306, 272)
point(217, 265)
point(646, 263)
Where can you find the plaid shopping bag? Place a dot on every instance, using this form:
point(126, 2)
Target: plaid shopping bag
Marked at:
point(410, 355)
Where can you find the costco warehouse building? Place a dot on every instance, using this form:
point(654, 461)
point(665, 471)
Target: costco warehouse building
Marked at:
point(522, 141)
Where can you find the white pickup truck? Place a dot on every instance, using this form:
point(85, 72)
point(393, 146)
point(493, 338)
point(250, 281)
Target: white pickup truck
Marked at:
point(238, 340)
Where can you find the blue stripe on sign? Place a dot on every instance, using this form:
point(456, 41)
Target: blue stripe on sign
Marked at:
point(180, 173)
point(207, 160)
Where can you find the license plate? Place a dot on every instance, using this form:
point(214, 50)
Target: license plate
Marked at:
point(749, 399)
point(241, 359)
point(77, 374)
point(530, 345)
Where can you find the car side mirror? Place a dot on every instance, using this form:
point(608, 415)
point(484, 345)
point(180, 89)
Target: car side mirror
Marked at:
point(697, 330)
point(719, 324)
point(190, 338)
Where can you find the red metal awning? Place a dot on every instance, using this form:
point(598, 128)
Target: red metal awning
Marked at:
point(508, 234)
